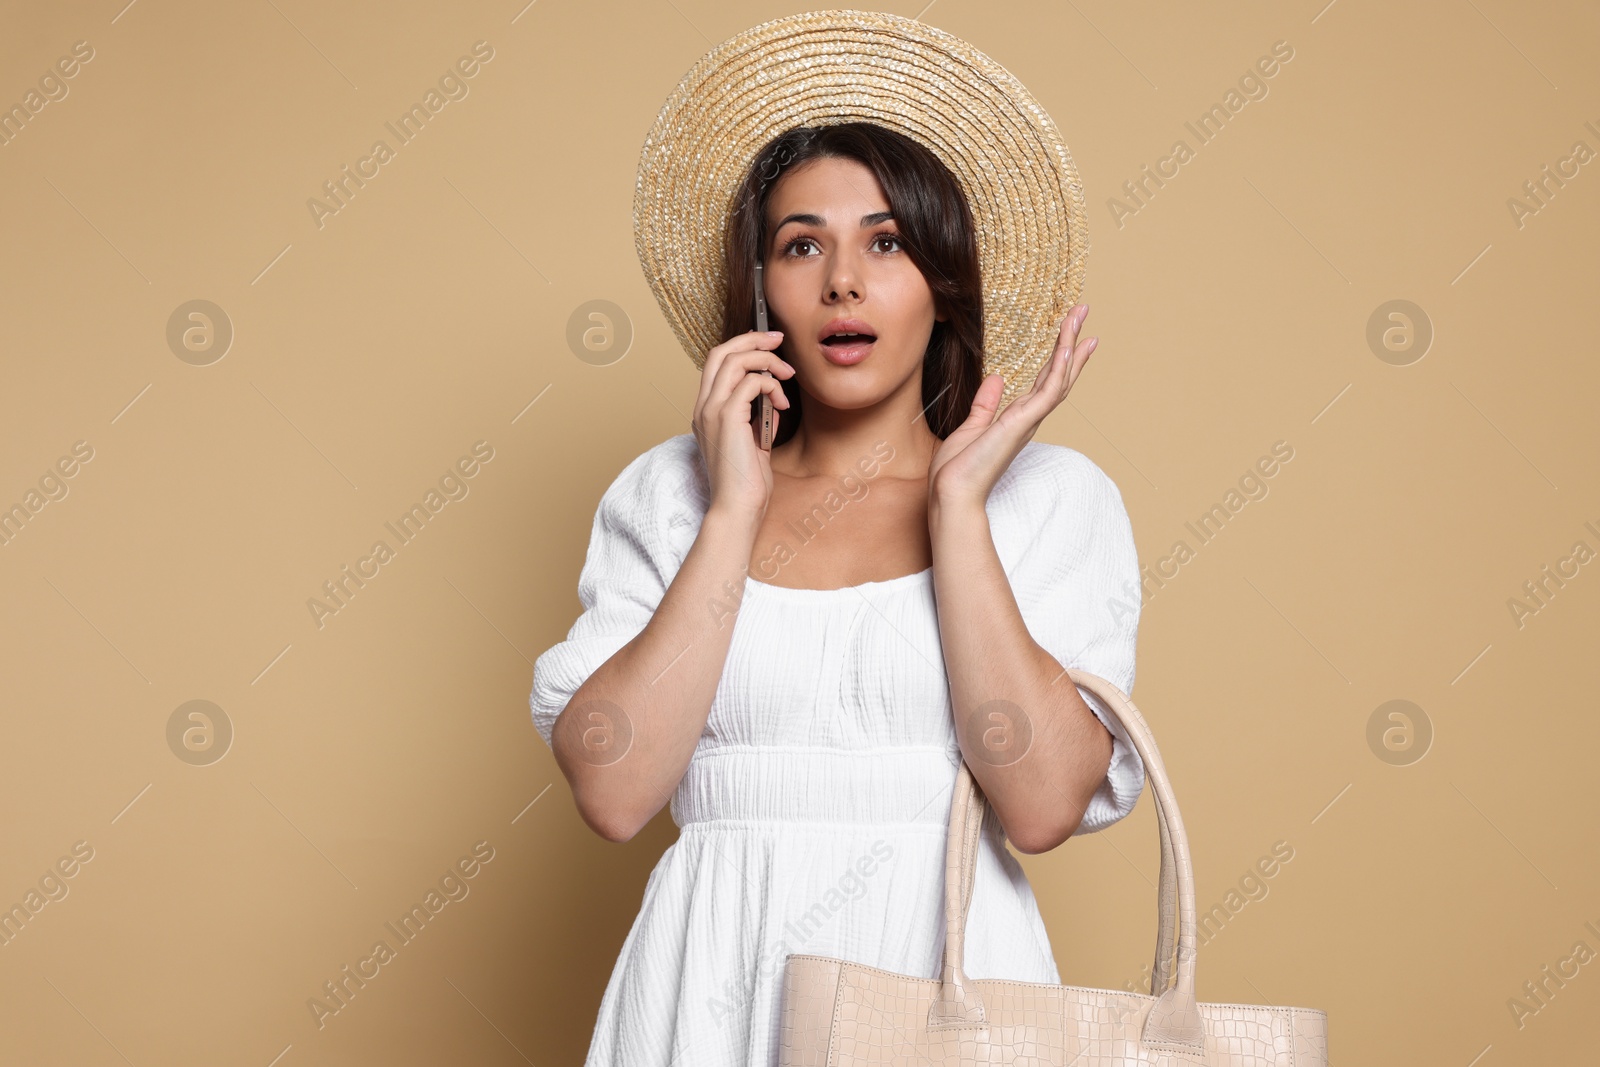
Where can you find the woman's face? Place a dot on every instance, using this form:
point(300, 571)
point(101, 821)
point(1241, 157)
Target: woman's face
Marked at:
point(834, 263)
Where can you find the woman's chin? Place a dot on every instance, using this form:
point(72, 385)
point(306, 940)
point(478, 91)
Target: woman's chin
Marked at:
point(855, 388)
point(851, 400)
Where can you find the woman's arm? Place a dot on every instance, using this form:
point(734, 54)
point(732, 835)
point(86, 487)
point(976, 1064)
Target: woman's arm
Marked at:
point(627, 733)
point(1034, 745)
point(656, 689)
point(1008, 692)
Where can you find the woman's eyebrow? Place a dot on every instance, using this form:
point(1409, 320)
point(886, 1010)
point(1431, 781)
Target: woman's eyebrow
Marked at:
point(806, 218)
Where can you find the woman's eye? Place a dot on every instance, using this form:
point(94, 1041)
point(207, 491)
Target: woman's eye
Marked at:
point(798, 246)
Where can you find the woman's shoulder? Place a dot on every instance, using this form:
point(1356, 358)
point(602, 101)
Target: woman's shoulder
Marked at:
point(1043, 474)
point(651, 511)
point(663, 471)
point(1054, 511)
point(668, 475)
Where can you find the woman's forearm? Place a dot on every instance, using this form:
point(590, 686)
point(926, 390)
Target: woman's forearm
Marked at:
point(1033, 744)
point(625, 738)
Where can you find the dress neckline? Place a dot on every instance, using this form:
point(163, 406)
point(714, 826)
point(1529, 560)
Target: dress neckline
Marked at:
point(917, 578)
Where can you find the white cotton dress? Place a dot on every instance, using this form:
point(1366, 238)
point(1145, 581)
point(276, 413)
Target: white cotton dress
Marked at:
point(813, 812)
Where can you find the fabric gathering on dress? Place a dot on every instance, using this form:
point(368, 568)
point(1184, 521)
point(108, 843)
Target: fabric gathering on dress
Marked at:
point(813, 812)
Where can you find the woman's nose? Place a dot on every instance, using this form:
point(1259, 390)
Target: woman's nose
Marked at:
point(844, 279)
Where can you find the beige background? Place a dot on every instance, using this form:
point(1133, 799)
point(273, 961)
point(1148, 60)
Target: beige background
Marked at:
point(371, 352)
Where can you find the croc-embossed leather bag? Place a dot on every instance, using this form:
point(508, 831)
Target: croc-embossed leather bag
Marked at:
point(841, 1014)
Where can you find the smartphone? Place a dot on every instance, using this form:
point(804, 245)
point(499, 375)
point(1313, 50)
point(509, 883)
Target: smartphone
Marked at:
point(762, 422)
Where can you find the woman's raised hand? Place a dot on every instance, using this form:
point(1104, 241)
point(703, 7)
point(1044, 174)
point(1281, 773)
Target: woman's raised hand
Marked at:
point(966, 464)
point(738, 469)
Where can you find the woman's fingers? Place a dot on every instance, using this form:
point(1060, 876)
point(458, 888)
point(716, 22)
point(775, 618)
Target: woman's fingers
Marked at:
point(729, 362)
point(723, 422)
point(1055, 378)
point(736, 415)
point(737, 366)
point(1088, 347)
point(736, 409)
point(741, 342)
point(1066, 345)
point(1079, 352)
point(718, 357)
point(985, 401)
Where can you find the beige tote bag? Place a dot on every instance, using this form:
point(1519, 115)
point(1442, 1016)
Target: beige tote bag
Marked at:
point(841, 1014)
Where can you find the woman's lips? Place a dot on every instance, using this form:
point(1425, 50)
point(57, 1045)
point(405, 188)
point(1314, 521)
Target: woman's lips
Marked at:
point(842, 354)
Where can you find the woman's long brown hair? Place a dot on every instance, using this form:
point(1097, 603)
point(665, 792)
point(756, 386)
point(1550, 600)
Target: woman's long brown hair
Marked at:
point(936, 230)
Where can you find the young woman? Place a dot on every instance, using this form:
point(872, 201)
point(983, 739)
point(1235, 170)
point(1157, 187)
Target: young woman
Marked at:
point(796, 648)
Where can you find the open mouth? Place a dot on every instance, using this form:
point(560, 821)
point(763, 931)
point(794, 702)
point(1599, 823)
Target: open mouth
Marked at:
point(847, 349)
point(847, 341)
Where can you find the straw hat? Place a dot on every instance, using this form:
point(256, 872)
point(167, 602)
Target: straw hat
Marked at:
point(826, 67)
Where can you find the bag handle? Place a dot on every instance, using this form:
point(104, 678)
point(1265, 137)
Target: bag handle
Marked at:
point(1174, 1020)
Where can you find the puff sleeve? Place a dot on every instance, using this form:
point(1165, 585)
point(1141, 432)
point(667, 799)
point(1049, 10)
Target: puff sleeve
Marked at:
point(643, 528)
point(1075, 577)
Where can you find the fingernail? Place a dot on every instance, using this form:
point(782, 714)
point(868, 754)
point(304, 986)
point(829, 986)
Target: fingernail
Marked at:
point(774, 333)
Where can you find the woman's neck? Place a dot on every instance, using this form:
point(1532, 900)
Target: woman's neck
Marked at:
point(830, 442)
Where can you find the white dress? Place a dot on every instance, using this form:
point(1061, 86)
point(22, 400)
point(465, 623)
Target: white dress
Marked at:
point(812, 815)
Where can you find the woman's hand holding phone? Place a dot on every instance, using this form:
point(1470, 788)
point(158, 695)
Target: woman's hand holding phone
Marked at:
point(738, 469)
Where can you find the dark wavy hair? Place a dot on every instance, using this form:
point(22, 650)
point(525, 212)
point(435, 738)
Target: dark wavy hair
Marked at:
point(936, 230)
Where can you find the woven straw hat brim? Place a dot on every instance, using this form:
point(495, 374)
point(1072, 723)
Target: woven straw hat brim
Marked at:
point(826, 67)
